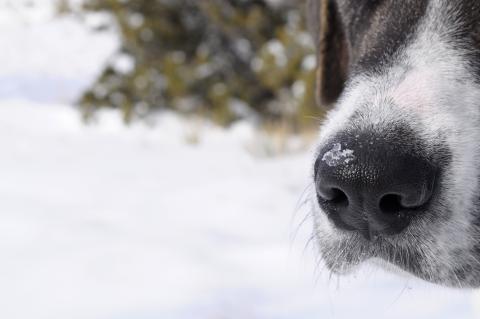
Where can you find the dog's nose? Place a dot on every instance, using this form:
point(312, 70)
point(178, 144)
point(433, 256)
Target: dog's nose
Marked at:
point(371, 185)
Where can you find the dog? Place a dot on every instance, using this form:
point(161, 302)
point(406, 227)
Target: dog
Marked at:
point(397, 163)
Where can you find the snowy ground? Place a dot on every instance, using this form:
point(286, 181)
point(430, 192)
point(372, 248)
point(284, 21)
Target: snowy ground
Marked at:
point(108, 222)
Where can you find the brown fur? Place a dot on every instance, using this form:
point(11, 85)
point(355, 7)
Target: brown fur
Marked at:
point(332, 50)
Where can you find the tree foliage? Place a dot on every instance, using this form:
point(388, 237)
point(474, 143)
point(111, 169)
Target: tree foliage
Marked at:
point(226, 59)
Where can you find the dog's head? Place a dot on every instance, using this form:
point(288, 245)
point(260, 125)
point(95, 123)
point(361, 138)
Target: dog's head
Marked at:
point(398, 158)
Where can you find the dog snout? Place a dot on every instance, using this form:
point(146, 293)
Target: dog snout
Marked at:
point(373, 185)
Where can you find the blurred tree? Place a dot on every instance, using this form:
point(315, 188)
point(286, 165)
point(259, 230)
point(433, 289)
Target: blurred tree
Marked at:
point(224, 58)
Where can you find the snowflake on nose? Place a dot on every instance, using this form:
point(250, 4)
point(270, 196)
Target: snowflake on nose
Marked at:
point(336, 156)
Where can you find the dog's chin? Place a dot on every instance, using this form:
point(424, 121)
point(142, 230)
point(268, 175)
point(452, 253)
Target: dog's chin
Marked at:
point(347, 254)
point(348, 268)
point(355, 252)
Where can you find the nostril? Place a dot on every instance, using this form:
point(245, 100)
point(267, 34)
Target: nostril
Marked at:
point(339, 197)
point(333, 196)
point(391, 204)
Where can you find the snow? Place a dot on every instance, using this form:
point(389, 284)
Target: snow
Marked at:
point(123, 63)
point(276, 48)
point(46, 58)
point(336, 156)
point(174, 219)
point(105, 221)
point(309, 62)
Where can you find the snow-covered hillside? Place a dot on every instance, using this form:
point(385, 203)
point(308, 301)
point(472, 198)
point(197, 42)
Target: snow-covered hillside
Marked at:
point(179, 220)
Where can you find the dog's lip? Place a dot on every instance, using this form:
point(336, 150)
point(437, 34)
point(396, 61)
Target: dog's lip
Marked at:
point(407, 261)
point(345, 267)
point(389, 250)
point(369, 234)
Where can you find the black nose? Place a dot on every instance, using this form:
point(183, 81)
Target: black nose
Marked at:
point(372, 184)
